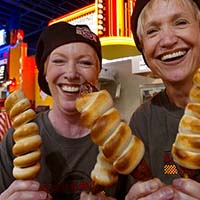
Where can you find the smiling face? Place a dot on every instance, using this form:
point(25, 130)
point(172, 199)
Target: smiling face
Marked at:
point(170, 40)
point(67, 67)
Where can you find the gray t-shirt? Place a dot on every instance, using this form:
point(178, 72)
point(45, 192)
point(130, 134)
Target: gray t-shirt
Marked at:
point(156, 123)
point(66, 163)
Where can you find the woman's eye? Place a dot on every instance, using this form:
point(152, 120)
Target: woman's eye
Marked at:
point(85, 63)
point(58, 61)
point(151, 32)
point(181, 22)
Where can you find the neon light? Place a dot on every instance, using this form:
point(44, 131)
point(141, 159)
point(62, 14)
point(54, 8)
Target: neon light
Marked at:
point(76, 14)
point(106, 41)
point(113, 18)
point(120, 17)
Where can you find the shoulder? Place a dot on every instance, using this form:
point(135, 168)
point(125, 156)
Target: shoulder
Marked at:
point(7, 142)
point(156, 101)
point(41, 117)
point(143, 113)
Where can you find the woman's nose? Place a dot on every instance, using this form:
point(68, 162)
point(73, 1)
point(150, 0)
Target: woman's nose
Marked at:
point(71, 71)
point(168, 38)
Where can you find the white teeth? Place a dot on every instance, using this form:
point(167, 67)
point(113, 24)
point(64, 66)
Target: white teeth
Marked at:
point(70, 88)
point(173, 55)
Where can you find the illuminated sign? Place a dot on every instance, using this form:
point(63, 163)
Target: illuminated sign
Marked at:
point(89, 19)
point(2, 72)
point(3, 65)
point(101, 18)
point(85, 15)
point(4, 35)
point(4, 52)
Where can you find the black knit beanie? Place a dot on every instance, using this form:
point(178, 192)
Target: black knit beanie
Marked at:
point(139, 5)
point(57, 35)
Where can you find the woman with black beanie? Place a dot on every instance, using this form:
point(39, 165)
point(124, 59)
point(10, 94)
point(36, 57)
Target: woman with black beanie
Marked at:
point(67, 57)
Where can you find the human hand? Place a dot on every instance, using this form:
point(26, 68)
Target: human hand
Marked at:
point(151, 189)
point(186, 189)
point(85, 196)
point(24, 190)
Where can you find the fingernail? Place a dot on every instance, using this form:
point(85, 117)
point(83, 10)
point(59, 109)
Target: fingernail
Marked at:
point(49, 196)
point(43, 195)
point(153, 186)
point(35, 186)
point(168, 193)
point(177, 183)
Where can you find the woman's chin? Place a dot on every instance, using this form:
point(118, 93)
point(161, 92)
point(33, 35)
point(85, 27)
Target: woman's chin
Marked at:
point(69, 108)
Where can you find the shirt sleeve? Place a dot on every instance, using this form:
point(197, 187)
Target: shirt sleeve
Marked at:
point(139, 122)
point(6, 161)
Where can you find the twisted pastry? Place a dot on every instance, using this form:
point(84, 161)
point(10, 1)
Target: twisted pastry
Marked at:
point(186, 148)
point(120, 147)
point(26, 136)
point(104, 173)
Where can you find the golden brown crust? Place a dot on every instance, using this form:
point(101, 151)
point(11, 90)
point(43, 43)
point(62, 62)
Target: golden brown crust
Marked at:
point(187, 159)
point(27, 144)
point(189, 124)
point(189, 142)
point(104, 126)
point(195, 94)
point(131, 156)
point(193, 109)
point(12, 99)
point(26, 160)
point(93, 105)
point(26, 136)
point(117, 142)
point(103, 172)
point(27, 172)
point(186, 148)
point(196, 77)
point(25, 130)
point(23, 118)
point(19, 107)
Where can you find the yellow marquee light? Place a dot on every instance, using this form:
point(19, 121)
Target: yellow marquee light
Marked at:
point(105, 41)
point(100, 16)
point(100, 27)
point(100, 6)
point(76, 14)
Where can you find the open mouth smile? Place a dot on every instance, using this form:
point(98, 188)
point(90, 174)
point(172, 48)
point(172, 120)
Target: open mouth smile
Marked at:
point(70, 89)
point(173, 56)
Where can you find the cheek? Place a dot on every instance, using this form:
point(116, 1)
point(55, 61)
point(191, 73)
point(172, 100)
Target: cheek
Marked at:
point(148, 50)
point(150, 44)
point(91, 76)
point(52, 73)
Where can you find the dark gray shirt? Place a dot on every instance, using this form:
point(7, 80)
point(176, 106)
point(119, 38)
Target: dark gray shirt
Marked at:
point(156, 123)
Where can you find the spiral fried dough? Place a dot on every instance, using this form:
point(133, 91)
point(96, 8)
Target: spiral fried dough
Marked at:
point(26, 172)
point(103, 172)
point(19, 107)
point(26, 136)
point(90, 110)
point(23, 118)
point(13, 98)
point(105, 124)
point(186, 148)
point(118, 144)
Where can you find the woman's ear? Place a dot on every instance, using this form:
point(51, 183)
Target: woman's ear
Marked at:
point(46, 79)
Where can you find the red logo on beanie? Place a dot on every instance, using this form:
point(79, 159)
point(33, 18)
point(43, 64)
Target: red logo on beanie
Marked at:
point(86, 33)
